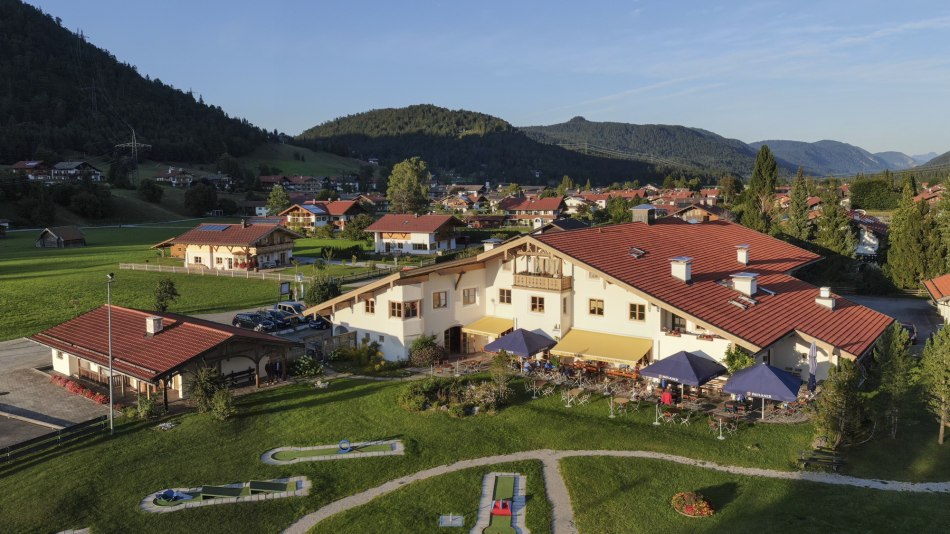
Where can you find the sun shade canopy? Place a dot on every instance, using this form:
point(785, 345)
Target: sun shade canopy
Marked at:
point(685, 368)
point(489, 326)
point(521, 342)
point(603, 347)
point(764, 381)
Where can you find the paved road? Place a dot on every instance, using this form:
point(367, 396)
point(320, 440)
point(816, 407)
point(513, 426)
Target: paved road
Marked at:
point(920, 312)
point(28, 393)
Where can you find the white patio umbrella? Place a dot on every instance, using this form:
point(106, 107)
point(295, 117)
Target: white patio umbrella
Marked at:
point(812, 365)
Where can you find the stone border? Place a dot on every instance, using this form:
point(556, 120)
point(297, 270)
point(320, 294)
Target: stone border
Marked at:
point(517, 503)
point(303, 485)
point(397, 450)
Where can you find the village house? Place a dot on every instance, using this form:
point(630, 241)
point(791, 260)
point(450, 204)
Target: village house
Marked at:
point(157, 353)
point(930, 195)
point(175, 177)
point(269, 181)
point(534, 212)
point(339, 212)
point(484, 221)
point(574, 203)
point(236, 246)
point(871, 231)
point(307, 217)
point(414, 234)
point(61, 237)
point(67, 171)
point(623, 295)
point(702, 213)
point(373, 202)
point(32, 170)
point(939, 290)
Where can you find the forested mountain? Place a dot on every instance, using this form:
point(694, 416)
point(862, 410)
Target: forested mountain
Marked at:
point(690, 146)
point(60, 93)
point(939, 161)
point(824, 158)
point(896, 161)
point(467, 143)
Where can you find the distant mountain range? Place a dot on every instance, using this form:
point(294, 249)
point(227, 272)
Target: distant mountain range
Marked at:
point(826, 157)
point(939, 161)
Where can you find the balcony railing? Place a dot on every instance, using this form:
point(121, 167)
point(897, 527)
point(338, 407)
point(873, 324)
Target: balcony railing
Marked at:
point(543, 281)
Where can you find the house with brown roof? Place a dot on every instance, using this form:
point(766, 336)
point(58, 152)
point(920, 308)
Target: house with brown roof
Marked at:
point(534, 212)
point(621, 295)
point(305, 217)
point(61, 237)
point(871, 231)
point(32, 169)
point(339, 212)
point(155, 352)
point(236, 246)
point(696, 213)
point(414, 234)
point(939, 290)
point(175, 177)
point(66, 171)
point(374, 202)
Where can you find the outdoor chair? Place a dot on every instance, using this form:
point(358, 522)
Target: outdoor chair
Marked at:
point(634, 405)
point(547, 391)
point(685, 419)
point(730, 427)
point(584, 399)
point(713, 425)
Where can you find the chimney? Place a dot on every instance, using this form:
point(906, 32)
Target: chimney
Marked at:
point(745, 283)
point(243, 223)
point(742, 254)
point(681, 267)
point(153, 325)
point(825, 298)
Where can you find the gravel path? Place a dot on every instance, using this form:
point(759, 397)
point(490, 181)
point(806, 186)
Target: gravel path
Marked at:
point(561, 510)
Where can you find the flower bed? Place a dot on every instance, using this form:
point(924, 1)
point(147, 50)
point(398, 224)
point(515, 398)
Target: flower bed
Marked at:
point(79, 389)
point(692, 504)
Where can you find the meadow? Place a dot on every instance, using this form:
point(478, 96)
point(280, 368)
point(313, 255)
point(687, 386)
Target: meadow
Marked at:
point(99, 482)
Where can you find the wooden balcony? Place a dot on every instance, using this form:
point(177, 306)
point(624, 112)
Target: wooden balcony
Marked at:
point(542, 281)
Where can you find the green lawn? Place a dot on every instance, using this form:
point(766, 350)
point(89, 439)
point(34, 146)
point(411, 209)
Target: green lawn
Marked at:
point(313, 164)
point(312, 246)
point(620, 495)
point(44, 287)
point(75, 486)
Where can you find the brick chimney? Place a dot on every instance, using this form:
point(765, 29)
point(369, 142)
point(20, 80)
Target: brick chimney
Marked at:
point(243, 223)
point(681, 267)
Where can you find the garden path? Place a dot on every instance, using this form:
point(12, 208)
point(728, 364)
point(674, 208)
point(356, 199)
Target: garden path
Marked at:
point(561, 510)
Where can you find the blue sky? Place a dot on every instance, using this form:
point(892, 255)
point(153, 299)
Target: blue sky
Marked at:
point(874, 74)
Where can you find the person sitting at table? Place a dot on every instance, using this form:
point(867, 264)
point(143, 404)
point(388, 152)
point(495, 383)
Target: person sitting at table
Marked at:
point(666, 397)
point(548, 366)
point(527, 367)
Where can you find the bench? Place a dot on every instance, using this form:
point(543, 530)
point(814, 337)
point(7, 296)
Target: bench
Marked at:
point(268, 487)
point(220, 491)
point(820, 458)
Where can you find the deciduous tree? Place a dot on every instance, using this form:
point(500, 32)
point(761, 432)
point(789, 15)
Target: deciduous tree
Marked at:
point(278, 200)
point(408, 190)
point(165, 294)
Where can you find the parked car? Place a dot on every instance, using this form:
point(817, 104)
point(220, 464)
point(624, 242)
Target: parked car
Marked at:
point(280, 318)
point(291, 306)
point(268, 265)
point(318, 322)
point(253, 321)
point(911, 332)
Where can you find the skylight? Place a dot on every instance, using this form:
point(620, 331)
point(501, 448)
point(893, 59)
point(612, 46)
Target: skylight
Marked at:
point(636, 252)
point(214, 227)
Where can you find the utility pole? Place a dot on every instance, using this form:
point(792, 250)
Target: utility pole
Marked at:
point(134, 145)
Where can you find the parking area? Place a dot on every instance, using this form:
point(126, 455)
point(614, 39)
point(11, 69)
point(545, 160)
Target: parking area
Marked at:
point(29, 404)
point(920, 312)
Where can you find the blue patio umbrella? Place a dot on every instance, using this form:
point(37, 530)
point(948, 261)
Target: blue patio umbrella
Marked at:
point(685, 368)
point(765, 382)
point(521, 342)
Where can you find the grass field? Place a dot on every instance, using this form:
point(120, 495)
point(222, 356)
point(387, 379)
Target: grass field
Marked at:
point(75, 486)
point(313, 164)
point(40, 288)
point(311, 453)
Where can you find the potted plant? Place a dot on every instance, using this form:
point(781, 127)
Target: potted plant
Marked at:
point(692, 504)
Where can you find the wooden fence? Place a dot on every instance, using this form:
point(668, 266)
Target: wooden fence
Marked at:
point(53, 439)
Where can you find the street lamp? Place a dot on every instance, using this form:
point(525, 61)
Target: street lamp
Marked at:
point(110, 277)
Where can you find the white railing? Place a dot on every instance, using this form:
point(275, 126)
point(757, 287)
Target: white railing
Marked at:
point(250, 275)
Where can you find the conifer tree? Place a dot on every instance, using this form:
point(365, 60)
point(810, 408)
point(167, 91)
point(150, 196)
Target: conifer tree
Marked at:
point(798, 225)
point(278, 200)
point(841, 413)
point(834, 227)
point(935, 373)
point(758, 212)
point(941, 213)
point(906, 257)
point(892, 356)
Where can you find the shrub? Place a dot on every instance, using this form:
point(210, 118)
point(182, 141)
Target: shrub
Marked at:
point(145, 408)
point(222, 405)
point(424, 351)
point(306, 367)
point(203, 386)
point(692, 504)
point(737, 358)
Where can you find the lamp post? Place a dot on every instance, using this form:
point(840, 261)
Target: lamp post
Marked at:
point(110, 277)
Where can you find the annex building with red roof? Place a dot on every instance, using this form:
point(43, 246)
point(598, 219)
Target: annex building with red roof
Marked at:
point(156, 352)
point(414, 234)
point(939, 290)
point(621, 295)
point(238, 246)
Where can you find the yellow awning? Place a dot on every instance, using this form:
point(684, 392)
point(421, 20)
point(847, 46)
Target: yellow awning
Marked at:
point(489, 326)
point(588, 345)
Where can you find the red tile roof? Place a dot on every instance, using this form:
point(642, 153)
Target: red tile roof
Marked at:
point(133, 353)
point(229, 234)
point(338, 207)
point(850, 327)
point(939, 287)
point(537, 204)
point(400, 222)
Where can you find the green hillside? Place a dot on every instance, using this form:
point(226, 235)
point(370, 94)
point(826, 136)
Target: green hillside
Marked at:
point(468, 144)
point(309, 163)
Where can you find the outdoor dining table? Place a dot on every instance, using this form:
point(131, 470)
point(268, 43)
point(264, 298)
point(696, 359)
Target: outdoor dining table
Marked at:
point(572, 395)
point(621, 403)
